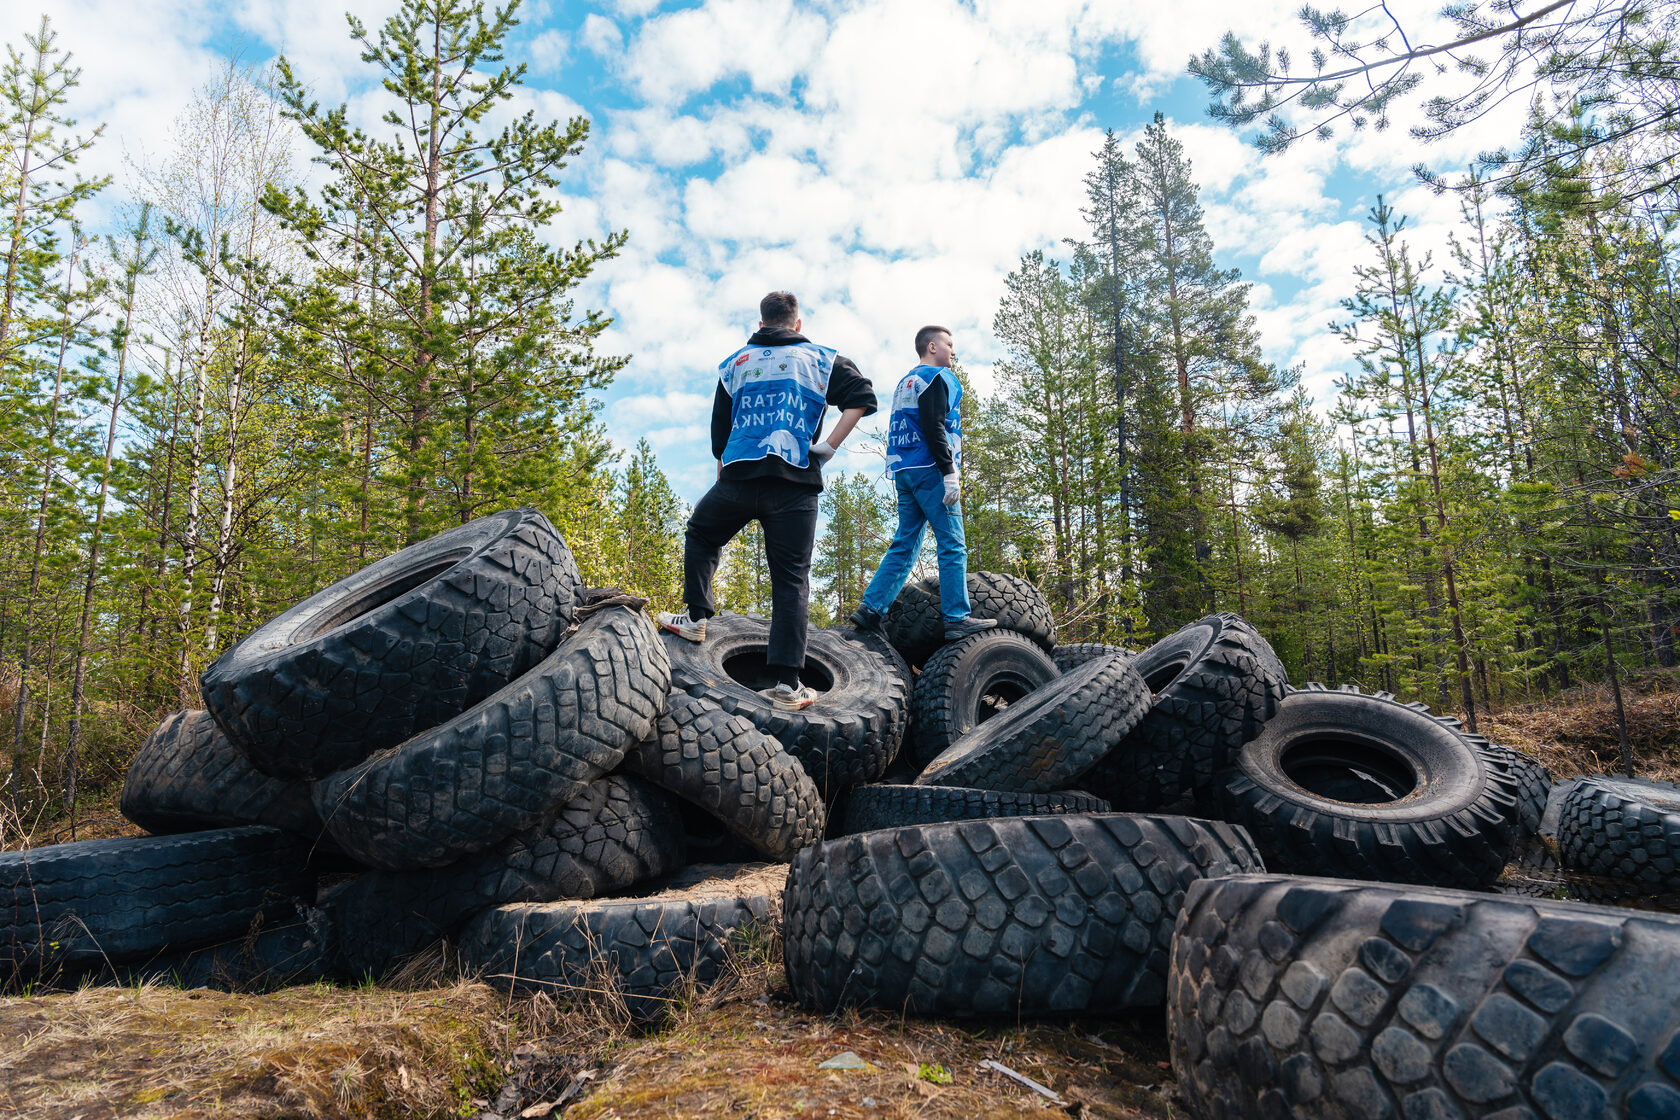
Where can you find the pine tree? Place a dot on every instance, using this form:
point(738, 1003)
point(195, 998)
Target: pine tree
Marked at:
point(433, 266)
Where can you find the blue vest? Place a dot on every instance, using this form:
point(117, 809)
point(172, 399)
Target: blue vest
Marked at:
point(906, 447)
point(778, 395)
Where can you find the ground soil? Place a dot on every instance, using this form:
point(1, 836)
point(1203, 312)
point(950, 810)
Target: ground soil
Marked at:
point(435, 1046)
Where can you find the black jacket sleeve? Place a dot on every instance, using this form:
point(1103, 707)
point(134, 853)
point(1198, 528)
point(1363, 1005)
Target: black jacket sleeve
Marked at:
point(849, 388)
point(931, 408)
point(723, 416)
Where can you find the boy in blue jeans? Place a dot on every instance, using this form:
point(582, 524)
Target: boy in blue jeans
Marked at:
point(924, 459)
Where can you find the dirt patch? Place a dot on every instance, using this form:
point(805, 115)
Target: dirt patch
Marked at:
point(1575, 733)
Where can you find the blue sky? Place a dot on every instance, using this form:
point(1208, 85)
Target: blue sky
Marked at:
point(888, 160)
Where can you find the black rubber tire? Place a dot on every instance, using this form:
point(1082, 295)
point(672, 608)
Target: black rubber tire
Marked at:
point(1532, 780)
point(741, 776)
point(508, 763)
point(277, 953)
point(852, 732)
point(1623, 828)
point(642, 950)
point(1022, 915)
point(70, 908)
point(886, 806)
point(1071, 655)
point(409, 642)
point(915, 624)
point(1052, 737)
point(619, 832)
point(1452, 827)
point(969, 682)
point(1338, 999)
point(188, 777)
point(876, 641)
point(1215, 683)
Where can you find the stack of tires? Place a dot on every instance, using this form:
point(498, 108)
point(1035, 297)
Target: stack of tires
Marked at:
point(1028, 855)
point(457, 742)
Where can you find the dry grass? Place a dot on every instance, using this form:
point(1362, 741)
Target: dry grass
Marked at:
point(1575, 733)
point(431, 1047)
point(317, 1051)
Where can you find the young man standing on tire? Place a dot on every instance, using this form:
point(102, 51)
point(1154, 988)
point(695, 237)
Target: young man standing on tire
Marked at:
point(766, 416)
point(924, 459)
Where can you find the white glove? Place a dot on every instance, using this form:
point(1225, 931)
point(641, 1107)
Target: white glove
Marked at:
point(953, 488)
point(821, 453)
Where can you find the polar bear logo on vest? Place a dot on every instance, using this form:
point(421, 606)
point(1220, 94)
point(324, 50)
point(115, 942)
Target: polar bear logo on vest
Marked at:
point(784, 443)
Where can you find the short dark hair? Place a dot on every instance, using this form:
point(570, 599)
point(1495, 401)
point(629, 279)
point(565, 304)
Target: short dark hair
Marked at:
point(779, 309)
point(925, 336)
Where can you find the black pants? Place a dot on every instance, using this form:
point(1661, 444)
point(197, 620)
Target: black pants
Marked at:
point(788, 513)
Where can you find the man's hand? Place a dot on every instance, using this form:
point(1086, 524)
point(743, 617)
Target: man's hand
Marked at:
point(821, 453)
point(953, 488)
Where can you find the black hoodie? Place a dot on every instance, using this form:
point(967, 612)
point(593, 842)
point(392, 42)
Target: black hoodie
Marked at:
point(847, 388)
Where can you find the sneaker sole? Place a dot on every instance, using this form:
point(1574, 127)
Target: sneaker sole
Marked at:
point(681, 633)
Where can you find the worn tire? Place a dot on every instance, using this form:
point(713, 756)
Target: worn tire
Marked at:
point(641, 950)
point(509, 763)
point(188, 777)
point(741, 776)
point(1072, 655)
point(1338, 999)
point(1386, 791)
point(1215, 683)
point(276, 953)
point(969, 682)
point(852, 732)
point(915, 624)
point(887, 806)
point(618, 832)
point(409, 642)
point(1532, 780)
point(1623, 828)
point(70, 908)
point(1024, 915)
point(1052, 737)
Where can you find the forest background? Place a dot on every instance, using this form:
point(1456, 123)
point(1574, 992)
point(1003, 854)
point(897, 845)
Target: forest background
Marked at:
point(303, 342)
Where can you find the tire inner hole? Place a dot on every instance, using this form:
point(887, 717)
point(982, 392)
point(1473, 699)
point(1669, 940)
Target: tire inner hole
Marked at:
point(1349, 769)
point(378, 595)
point(750, 669)
point(997, 694)
point(1166, 674)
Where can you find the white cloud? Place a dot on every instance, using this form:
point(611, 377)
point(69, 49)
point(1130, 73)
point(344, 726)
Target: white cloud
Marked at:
point(548, 51)
point(602, 35)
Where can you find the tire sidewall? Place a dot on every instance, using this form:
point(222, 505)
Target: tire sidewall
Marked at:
point(1450, 774)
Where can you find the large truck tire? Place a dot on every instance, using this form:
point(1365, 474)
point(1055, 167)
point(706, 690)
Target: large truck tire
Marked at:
point(849, 736)
point(405, 644)
point(733, 771)
point(1052, 737)
point(617, 833)
point(1623, 828)
point(634, 952)
point(891, 806)
point(915, 623)
point(1022, 915)
point(1356, 785)
point(188, 777)
point(969, 682)
point(71, 908)
point(508, 763)
point(1215, 683)
point(1333, 999)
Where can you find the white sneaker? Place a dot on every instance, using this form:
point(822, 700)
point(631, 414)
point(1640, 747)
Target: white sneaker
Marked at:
point(694, 629)
point(788, 699)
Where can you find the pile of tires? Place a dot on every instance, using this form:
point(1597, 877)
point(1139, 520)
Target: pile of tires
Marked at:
point(459, 744)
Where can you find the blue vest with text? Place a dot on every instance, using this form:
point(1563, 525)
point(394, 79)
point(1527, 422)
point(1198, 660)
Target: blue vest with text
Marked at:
point(906, 446)
point(778, 394)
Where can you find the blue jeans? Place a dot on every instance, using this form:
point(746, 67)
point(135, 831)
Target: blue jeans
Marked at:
point(921, 505)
